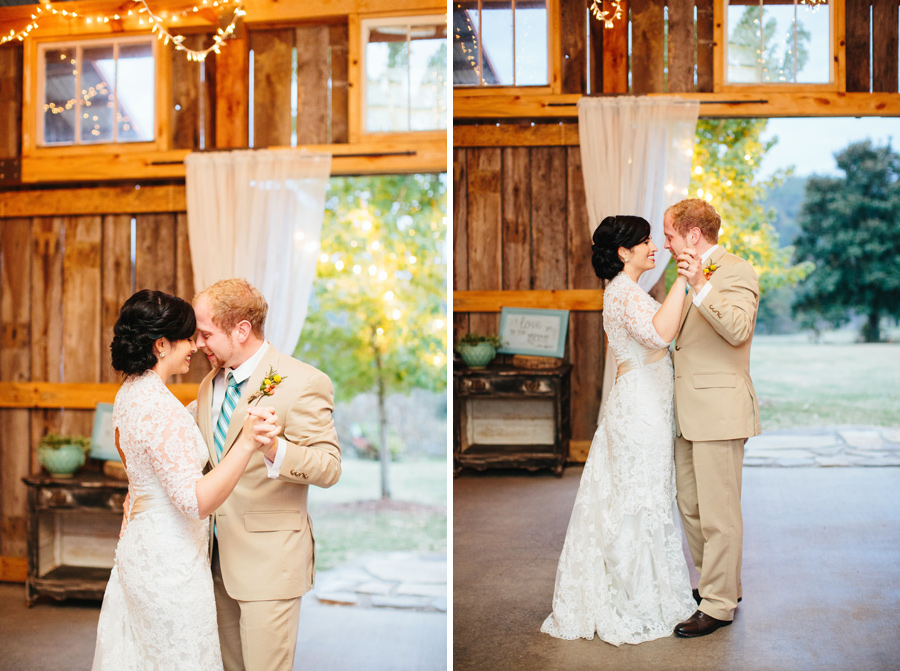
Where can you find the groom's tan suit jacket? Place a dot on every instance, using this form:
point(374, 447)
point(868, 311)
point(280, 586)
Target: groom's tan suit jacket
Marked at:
point(714, 397)
point(266, 545)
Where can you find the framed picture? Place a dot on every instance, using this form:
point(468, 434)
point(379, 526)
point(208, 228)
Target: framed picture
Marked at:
point(103, 439)
point(533, 331)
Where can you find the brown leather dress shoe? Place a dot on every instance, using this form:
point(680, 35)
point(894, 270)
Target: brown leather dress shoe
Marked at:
point(699, 624)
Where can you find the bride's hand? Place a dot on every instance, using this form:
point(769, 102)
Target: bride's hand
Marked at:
point(260, 427)
point(688, 265)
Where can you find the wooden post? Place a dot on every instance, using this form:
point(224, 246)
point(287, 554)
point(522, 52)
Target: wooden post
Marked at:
point(858, 65)
point(647, 54)
point(681, 55)
point(232, 92)
point(615, 54)
point(485, 266)
point(574, 34)
point(516, 203)
point(884, 45)
point(460, 236)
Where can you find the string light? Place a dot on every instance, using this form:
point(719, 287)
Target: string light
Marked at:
point(608, 15)
point(155, 21)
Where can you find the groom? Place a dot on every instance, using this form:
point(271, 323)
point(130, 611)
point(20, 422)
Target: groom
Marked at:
point(263, 551)
point(715, 407)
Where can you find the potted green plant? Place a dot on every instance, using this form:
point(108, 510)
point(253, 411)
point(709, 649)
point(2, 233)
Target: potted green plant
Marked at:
point(63, 455)
point(478, 350)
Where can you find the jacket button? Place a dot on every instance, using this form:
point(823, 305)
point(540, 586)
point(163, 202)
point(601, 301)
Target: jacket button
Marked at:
point(677, 348)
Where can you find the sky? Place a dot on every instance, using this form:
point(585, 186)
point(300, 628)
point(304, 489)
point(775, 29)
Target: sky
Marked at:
point(810, 144)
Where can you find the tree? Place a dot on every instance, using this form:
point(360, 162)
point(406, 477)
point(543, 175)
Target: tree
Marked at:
point(849, 230)
point(753, 63)
point(727, 156)
point(377, 318)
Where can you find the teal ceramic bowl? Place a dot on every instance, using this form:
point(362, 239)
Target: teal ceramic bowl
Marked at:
point(477, 356)
point(63, 461)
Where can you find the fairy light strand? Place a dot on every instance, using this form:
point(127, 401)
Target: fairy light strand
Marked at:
point(155, 21)
point(607, 15)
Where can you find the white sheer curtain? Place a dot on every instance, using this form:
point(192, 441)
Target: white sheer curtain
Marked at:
point(258, 215)
point(636, 158)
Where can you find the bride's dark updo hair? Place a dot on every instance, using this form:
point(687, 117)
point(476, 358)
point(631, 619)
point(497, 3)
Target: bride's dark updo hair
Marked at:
point(145, 318)
point(624, 230)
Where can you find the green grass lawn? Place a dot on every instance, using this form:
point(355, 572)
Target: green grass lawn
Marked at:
point(802, 384)
point(351, 520)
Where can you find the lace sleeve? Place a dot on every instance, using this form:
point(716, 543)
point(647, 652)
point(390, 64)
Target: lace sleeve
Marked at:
point(192, 409)
point(640, 309)
point(173, 457)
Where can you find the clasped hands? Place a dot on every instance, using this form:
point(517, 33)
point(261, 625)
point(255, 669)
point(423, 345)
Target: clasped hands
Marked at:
point(260, 427)
point(689, 267)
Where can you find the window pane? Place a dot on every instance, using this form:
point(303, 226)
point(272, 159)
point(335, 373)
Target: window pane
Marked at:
point(135, 91)
point(778, 55)
point(427, 75)
point(813, 44)
point(98, 71)
point(387, 90)
point(497, 42)
point(59, 95)
point(744, 44)
point(531, 43)
point(465, 43)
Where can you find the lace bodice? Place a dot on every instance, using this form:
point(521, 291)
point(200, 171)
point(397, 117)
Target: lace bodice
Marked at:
point(163, 447)
point(628, 313)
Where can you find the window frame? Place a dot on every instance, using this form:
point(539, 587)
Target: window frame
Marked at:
point(32, 107)
point(554, 61)
point(837, 57)
point(364, 28)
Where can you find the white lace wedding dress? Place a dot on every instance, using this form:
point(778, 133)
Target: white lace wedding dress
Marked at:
point(159, 611)
point(622, 572)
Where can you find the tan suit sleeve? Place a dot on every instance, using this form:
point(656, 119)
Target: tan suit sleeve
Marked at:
point(312, 455)
point(730, 307)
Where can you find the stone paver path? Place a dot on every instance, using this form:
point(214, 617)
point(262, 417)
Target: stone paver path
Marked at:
point(825, 446)
point(415, 580)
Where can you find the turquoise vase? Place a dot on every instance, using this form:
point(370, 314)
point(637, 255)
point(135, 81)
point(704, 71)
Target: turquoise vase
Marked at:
point(63, 461)
point(477, 356)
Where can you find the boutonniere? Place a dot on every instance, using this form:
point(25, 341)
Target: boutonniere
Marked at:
point(710, 269)
point(267, 386)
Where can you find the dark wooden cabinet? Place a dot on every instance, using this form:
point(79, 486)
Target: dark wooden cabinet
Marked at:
point(73, 529)
point(506, 417)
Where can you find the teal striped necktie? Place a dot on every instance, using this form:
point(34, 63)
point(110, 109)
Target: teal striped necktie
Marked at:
point(232, 394)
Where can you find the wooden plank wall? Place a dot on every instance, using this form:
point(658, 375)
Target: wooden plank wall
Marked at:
point(321, 116)
point(63, 282)
point(520, 223)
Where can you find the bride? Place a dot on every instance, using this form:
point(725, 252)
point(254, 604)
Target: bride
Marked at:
point(158, 610)
point(622, 572)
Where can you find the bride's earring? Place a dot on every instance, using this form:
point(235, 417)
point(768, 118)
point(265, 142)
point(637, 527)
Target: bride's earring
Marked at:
point(162, 354)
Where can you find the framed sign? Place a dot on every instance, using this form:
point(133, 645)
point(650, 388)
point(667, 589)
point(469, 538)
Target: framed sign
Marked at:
point(103, 440)
point(532, 331)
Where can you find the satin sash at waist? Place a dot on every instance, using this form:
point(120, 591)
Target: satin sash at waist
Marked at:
point(633, 363)
point(145, 502)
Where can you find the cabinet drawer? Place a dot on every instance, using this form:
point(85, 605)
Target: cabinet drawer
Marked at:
point(51, 498)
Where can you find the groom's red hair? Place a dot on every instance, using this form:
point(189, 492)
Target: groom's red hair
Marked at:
point(696, 213)
point(233, 301)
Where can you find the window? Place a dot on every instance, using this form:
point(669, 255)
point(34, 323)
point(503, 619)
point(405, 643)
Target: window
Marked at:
point(101, 91)
point(500, 43)
point(778, 42)
point(404, 67)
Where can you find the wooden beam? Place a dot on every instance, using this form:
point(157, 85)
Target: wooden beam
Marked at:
point(515, 135)
point(124, 199)
point(73, 395)
point(393, 154)
point(13, 569)
point(588, 300)
point(746, 103)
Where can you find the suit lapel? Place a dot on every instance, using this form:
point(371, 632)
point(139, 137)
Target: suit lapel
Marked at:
point(204, 414)
point(715, 257)
point(250, 387)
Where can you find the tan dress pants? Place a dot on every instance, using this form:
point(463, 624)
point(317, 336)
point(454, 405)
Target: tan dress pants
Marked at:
point(708, 483)
point(255, 635)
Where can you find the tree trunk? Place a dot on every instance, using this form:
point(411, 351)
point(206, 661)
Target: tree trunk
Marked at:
point(870, 330)
point(384, 450)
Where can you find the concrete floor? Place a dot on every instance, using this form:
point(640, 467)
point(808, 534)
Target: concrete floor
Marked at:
point(60, 636)
point(821, 577)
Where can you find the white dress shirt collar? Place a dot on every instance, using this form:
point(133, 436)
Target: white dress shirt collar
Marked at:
point(245, 370)
point(705, 255)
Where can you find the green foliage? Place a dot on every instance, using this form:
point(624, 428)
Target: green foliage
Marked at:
point(377, 317)
point(772, 65)
point(476, 338)
point(54, 441)
point(849, 229)
point(727, 156)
